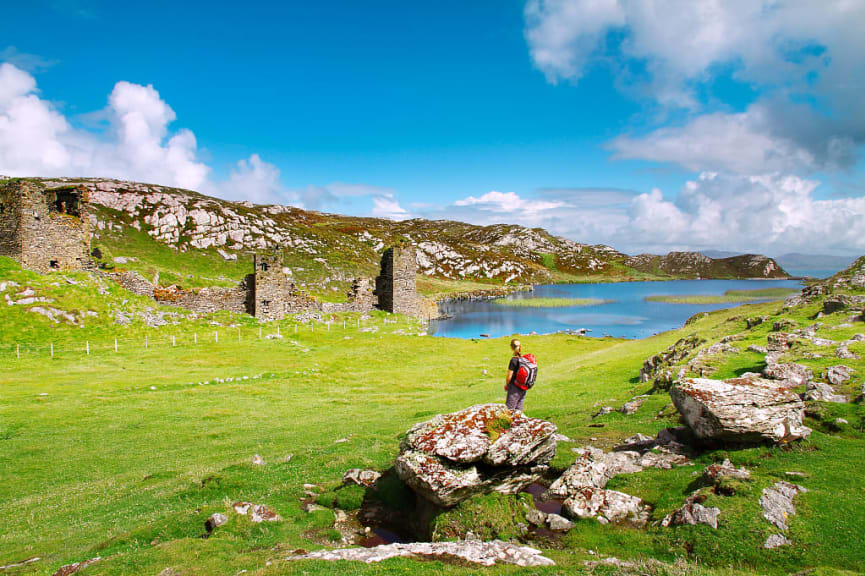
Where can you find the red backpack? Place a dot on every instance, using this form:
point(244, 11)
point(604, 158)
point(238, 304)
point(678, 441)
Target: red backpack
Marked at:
point(527, 372)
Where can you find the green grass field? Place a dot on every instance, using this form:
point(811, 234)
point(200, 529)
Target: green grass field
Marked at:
point(547, 302)
point(729, 297)
point(124, 455)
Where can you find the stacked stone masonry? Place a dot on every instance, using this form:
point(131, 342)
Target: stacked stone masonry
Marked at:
point(44, 229)
point(396, 286)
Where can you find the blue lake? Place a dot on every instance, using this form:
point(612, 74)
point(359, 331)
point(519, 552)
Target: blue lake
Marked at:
point(629, 315)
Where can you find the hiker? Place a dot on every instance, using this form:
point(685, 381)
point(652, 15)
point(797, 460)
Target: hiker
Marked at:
point(522, 371)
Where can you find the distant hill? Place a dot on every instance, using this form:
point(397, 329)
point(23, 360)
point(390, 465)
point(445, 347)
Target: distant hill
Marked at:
point(195, 240)
point(698, 265)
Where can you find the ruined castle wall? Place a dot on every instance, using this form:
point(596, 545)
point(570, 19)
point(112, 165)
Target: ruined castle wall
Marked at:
point(45, 229)
point(271, 288)
point(396, 286)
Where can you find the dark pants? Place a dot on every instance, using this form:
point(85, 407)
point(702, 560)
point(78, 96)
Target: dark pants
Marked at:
point(515, 398)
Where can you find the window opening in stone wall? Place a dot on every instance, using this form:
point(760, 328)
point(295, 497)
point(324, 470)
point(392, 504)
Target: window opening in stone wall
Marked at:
point(54, 264)
point(264, 267)
point(67, 203)
point(265, 303)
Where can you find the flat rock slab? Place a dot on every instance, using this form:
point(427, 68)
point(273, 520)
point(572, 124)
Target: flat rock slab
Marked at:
point(777, 503)
point(740, 410)
point(714, 472)
point(474, 551)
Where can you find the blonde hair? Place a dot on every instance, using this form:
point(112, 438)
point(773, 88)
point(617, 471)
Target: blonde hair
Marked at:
point(516, 346)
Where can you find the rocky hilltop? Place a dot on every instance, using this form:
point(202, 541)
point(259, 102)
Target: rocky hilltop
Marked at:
point(697, 265)
point(332, 248)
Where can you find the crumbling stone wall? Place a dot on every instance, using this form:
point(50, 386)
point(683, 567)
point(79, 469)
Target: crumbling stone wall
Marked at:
point(396, 285)
point(211, 299)
point(132, 281)
point(45, 229)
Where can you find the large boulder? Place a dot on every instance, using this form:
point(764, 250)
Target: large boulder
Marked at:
point(740, 409)
point(480, 449)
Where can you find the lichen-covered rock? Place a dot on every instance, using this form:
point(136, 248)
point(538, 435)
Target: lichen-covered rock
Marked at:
point(691, 513)
point(474, 551)
point(789, 375)
point(780, 341)
point(740, 410)
point(257, 512)
point(611, 505)
point(483, 448)
point(777, 503)
point(486, 432)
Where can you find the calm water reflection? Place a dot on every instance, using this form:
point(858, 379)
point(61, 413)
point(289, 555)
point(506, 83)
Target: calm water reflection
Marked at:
point(629, 316)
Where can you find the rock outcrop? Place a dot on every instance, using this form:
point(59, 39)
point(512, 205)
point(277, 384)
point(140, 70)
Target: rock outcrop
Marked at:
point(480, 449)
point(777, 503)
point(740, 410)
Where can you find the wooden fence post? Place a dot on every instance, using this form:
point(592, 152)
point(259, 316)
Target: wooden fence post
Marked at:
point(115, 344)
point(87, 345)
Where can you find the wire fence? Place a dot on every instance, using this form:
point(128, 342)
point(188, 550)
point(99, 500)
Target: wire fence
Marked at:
point(163, 337)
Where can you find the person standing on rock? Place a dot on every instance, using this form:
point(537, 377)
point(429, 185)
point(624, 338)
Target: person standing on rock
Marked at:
point(522, 371)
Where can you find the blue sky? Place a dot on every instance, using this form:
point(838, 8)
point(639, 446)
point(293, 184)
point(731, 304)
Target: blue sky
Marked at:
point(606, 121)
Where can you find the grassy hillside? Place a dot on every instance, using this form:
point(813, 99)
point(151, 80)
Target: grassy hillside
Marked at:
point(123, 455)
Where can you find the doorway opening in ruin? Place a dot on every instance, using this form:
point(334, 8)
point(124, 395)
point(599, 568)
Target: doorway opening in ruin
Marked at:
point(54, 264)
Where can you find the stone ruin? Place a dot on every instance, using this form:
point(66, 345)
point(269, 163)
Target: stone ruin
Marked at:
point(396, 285)
point(45, 229)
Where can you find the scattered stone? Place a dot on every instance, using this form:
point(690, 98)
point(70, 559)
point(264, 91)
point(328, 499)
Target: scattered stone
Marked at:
point(715, 472)
point(215, 521)
point(225, 255)
point(630, 408)
point(611, 505)
point(692, 512)
point(740, 410)
point(70, 569)
point(362, 478)
point(480, 449)
point(757, 349)
point(654, 365)
point(603, 411)
point(822, 392)
point(257, 460)
point(558, 523)
point(775, 541)
point(258, 512)
point(474, 551)
point(838, 375)
point(844, 353)
point(755, 321)
point(841, 422)
point(777, 503)
point(797, 474)
point(535, 517)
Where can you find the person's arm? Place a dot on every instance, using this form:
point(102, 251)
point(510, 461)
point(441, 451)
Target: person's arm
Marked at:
point(508, 379)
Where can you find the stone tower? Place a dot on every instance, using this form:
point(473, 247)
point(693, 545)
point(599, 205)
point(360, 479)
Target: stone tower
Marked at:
point(44, 229)
point(396, 286)
point(270, 287)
